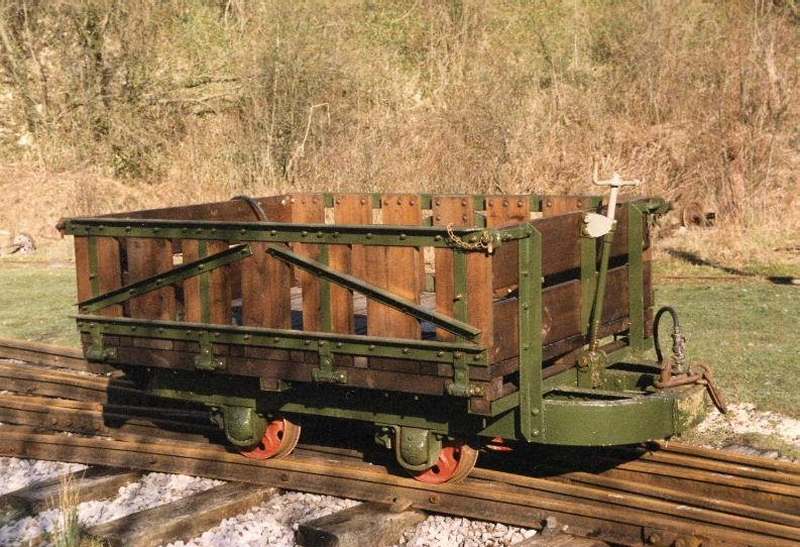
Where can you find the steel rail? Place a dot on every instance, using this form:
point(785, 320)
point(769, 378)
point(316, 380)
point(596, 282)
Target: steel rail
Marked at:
point(487, 494)
point(659, 494)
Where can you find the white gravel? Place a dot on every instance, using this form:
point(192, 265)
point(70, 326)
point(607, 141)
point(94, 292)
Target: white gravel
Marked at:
point(438, 530)
point(743, 418)
point(18, 473)
point(152, 490)
point(274, 522)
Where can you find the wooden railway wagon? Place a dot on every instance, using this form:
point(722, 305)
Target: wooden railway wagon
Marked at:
point(440, 319)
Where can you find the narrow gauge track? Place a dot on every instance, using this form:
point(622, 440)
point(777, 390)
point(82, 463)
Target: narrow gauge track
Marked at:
point(664, 494)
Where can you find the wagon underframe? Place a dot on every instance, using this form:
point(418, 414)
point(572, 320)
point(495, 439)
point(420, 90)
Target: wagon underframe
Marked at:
point(496, 355)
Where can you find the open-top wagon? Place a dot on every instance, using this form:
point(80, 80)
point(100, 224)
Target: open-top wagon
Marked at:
point(440, 319)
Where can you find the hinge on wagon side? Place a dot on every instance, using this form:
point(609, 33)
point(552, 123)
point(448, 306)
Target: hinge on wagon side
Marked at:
point(206, 360)
point(460, 386)
point(96, 351)
point(326, 372)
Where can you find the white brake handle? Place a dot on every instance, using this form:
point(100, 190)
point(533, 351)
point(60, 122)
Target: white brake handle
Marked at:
point(597, 225)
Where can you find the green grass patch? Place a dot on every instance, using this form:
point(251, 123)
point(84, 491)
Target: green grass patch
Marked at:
point(747, 332)
point(36, 302)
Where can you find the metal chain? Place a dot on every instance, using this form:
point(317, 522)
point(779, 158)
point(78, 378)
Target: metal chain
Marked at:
point(483, 242)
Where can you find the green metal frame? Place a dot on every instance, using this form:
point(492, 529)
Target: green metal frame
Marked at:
point(554, 410)
point(158, 281)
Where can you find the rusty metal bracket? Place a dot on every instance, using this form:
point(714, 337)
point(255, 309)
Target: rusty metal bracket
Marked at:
point(96, 350)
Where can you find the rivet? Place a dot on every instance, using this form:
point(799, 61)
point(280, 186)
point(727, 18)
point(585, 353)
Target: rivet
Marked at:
point(535, 411)
point(371, 347)
point(273, 232)
point(405, 350)
point(519, 203)
point(276, 340)
point(434, 498)
point(402, 236)
point(322, 343)
point(437, 238)
point(369, 235)
point(505, 203)
point(307, 342)
point(548, 203)
point(363, 201)
point(535, 432)
point(304, 233)
point(247, 337)
point(439, 353)
point(412, 202)
point(242, 231)
point(339, 344)
point(464, 202)
point(320, 234)
point(438, 218)
point(337, 201)
point(437, 201)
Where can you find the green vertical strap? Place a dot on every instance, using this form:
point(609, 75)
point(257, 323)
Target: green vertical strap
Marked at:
point(205, 285)
point(530, 336)
point(536, 203)
point(325, 313)
point(588, 247)
point(94, 261)
point(636, 277)
point(460, 386)
point(478, 205)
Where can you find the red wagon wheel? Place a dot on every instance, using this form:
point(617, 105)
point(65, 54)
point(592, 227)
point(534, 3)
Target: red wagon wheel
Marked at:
point(280, 438)
point(456, 461)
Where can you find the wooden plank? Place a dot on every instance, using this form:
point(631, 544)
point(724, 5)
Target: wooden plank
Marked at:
point(560, 243)
point(182, 519)
point(309, 208)
point(267, 281)
point(348, 209)
point(362, 524)
point(455, 210)
point(218, 298)
point(500, 211)
point(109, 270)
point(147, 257)
point(94, 483)
point(395, 269)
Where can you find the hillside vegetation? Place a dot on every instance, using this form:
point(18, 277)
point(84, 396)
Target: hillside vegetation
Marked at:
point(117, 103)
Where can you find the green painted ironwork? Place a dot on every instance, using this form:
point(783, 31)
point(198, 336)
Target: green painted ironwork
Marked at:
point(530, 336)
point(588, 249)
point(282, 232)
point(374, 292)
point(635, 242)
point(158, 281)
point(346, 344)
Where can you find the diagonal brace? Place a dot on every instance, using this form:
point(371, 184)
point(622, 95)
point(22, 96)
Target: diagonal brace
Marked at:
point(158, 281)
point(459, 328)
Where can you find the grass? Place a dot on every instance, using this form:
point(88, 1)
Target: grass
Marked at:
point(747, 331)
point(36, 302)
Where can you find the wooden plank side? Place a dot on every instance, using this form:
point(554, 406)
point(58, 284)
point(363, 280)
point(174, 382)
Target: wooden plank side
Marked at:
point(458, 211)
point(266, 281)
point(147, 257)
point(84, 283)
point(348, 209)
point(560, 243)
point(219, 286)
point(395, 269)
point(500, 211)
point(309, 208)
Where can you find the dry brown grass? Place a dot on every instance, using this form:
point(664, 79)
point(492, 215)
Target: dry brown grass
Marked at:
point(152, 103)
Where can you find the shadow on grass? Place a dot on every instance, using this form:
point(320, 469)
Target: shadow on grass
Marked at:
point(696, 260)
